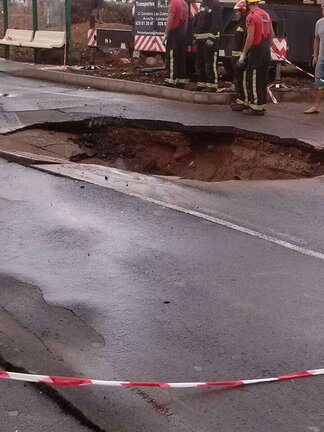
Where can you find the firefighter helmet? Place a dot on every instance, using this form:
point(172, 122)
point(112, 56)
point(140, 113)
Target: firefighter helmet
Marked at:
point(251, 2)
point(240, 5)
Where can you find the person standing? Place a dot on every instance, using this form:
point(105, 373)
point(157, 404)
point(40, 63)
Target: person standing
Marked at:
point(318, 62)
point(207, 27)
point(240, 69)
point(97, 10)
point(175, 41)
point(257, 51)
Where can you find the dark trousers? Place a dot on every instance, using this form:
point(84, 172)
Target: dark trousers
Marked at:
point(175, 60)
point(240, 82)
point(257, 75)
point(206, 64)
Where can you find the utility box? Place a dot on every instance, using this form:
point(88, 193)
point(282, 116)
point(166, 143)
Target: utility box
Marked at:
point(110, 38)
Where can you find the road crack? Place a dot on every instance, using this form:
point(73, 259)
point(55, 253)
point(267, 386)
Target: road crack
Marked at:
point(83, 322)
point(27, 329)
point(66, 406)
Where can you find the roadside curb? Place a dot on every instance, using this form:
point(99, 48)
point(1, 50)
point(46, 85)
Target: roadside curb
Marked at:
point(123, 86)
point(152, 90)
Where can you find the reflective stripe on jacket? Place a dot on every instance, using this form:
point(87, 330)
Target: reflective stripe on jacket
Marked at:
point(239, 38)
point(208, 21)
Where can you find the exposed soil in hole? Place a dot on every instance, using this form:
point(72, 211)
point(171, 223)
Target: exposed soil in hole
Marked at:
point(199, 156)
point(206, 157)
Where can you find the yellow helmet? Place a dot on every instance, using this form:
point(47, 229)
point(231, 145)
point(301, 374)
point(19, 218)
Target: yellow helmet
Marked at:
point(248, 2)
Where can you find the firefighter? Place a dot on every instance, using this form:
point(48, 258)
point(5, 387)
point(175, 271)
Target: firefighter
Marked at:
point(175, 41)
point(207, 26)
point(240, 69)
point(257, 51)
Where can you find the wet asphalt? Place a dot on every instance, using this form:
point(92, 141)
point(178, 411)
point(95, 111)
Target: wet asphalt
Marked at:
point(24, 408)
point(119, 288)
point(28, 102)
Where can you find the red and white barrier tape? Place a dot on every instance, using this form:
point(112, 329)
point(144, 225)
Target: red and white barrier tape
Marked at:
point(298, 68)
point(302, 70)
point(77, 382)
point(272, 96)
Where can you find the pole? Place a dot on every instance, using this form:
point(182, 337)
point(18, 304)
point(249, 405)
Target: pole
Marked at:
point(68, 23)
point(6, 25)
point(35, 28)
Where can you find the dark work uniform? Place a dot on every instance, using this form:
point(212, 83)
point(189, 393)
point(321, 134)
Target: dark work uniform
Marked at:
point(207, 26)
point(175, 60)
point(239, 38)
point(240, 70)
point(259, 58)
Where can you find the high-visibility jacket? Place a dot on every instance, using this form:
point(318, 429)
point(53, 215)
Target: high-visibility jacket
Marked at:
point(261, 21)
point(208, 21)
point(179, 11)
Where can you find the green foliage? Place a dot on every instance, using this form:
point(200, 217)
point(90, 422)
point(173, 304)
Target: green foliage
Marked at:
point(118, 12)
point(113, 12)
point(80, 10)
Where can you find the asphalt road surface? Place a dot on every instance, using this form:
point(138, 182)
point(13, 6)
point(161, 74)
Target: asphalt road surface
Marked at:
point(28, 102)
point(108, 286)
point(23, 408)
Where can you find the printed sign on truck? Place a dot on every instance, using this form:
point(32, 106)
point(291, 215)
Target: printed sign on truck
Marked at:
point(150, 21)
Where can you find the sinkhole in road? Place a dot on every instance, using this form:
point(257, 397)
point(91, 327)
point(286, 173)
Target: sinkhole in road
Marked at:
point(200, 156)
point(203, 154)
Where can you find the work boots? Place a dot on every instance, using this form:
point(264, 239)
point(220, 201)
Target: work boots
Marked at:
point(251, 111)
point(238, 107)
point(209, 90)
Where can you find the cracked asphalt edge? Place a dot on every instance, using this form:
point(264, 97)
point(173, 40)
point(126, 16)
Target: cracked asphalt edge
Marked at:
point(22, 350)
point(66, 406)
point(95, 122)
point(12, 363)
